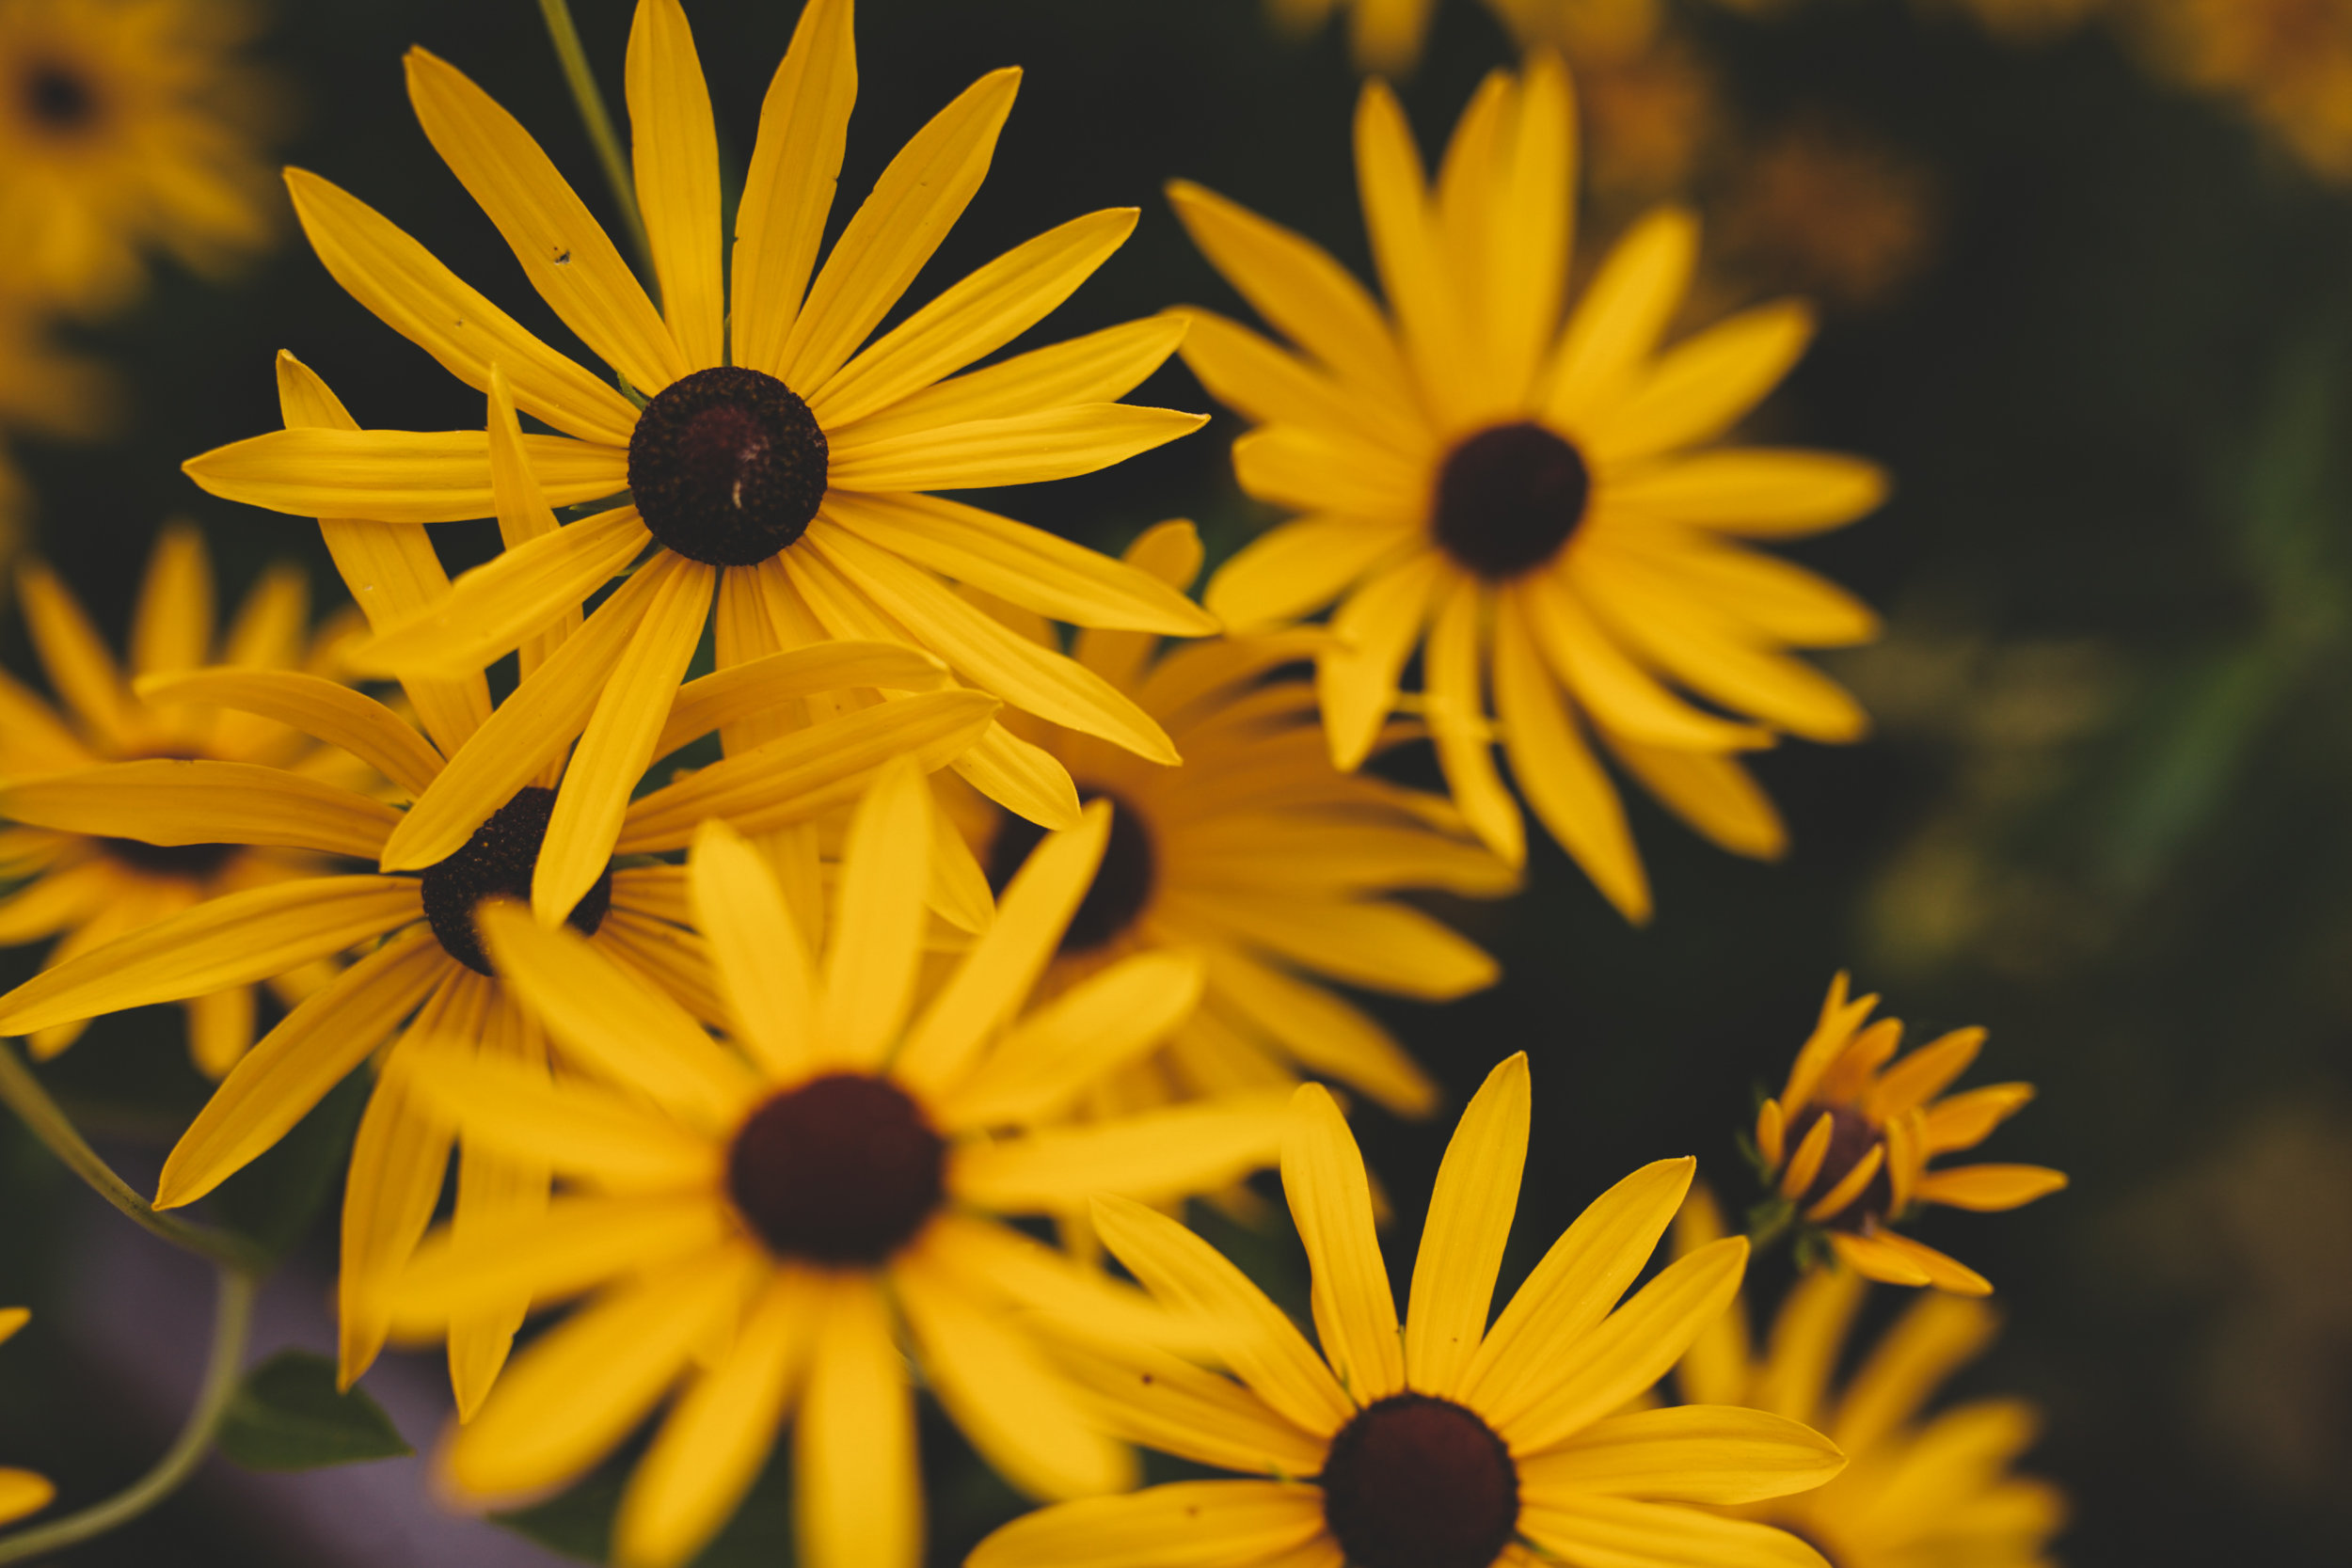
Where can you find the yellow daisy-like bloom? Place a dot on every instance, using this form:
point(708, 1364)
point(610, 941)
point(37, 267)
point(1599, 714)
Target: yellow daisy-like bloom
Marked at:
point(1260, 856)
point(422, 956)
point(753, 1217)
point(1445, 1444)
point(87, 888)
point(775, 465)
point(2288, 61)
point(1914, 1494)
point(1847, 1142)
point(1523, 492)
point(126, 123)
point(22, 1492)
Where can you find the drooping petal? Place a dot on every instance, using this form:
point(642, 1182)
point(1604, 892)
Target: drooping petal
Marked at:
point(1712, 792)
point(1323, 1034)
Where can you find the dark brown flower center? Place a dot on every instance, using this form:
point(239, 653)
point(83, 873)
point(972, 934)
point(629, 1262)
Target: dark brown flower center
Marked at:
point(1420, 1482)
point(1850, 1139)
point(1123, 883)
point(499, 860)
point(192, 862)
point(58, 97)
point(842, 1170)
point(727, 466)
point(1508, 497)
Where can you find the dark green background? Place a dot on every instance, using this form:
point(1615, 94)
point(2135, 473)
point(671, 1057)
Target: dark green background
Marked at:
point(2113, 699)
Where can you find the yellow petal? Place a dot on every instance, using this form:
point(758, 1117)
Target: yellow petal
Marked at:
point(738, 692)
point(312, 1049)
point(1528, 225)
point(1620, 1532)
point(803, 130)
point(1323, 1034)
point(220, 1029)
point(1156, 1156)
point(80, 669)
point(1253, 1336)
point(495, 1191)
point(424, 302)
point(859, 1496)
point(230, 940)
point(1298, 567)
point(172, 626)
point(316, 706)
point(1623, 696)
point(1421, 291)
point(894, 230)
point(575, 1244)
point(618, 742)
point(878, 921)
point(1379, 946)
point(169, 802)
point(1991, 1189)
point(1705, 384)
point(1021, 449)
point(1313, 470)
point(1966, 1120)
point(1074, 1041)
point(1897, 1259)
point(1164, 1402)
point(675, 152)
point(1471, 1210)
point(1937, 1334)
point(396, 476)
point(1101, 367)
point(1694, 1453)
point(564, 251)
point(1189, 1523)
point(1269, 384)
point(1711, 792)
point(575, 1126)
point(1331, 1202)
point(1772, 493)
point(1375, 630)
point(761, 953)
point(1024, 779)
point(1456, 711)
point(1927, 1072)
point(1617, 324)
point(22, 1493)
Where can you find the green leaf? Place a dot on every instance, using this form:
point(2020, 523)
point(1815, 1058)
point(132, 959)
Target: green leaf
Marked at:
point(288, 1414)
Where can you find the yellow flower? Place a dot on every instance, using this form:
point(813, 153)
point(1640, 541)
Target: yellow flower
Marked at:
point(1445, 1444)
point(45, 388)
point(422, 956)
point(1384, 35)
point(1523, 491)
point(2288, 61)
point(125, 123)
point(88, 888)
point(749, 1219)
point(1260, 856)
point(1914, 1494)
point(22, 1492)
point(774, 467)
point(1848, 1141)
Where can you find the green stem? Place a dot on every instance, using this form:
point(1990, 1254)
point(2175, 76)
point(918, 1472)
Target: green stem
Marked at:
point(593, 113)
point(232, 1321)
point(45, 1122)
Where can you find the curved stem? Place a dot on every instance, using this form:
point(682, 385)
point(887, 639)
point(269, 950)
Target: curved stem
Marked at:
point(232, 1321)
point(585, 93)
point(46, 1121)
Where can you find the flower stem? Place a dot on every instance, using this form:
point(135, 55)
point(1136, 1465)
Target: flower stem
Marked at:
point(593, 114)
point(46, 1121)
point(233, 1322)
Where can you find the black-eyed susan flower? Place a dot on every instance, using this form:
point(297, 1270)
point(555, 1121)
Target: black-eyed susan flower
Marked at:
point(760, 1219)
point(772, 463)
point(126, 124)
point(1847, 1142)
point(1524, 493)
point(1443, 1443)
point(1257, 855)
point(85, 889)
point(422, 963)
point(1916, 1492)
point(22, 1492)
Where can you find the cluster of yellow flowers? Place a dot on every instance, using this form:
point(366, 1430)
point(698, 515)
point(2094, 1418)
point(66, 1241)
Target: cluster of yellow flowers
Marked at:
point(754, 1008)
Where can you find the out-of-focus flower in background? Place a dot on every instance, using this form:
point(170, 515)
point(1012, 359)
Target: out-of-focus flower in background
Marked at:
point(2287, 63)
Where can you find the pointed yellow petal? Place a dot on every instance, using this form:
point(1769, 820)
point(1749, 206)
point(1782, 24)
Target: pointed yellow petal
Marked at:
point(1379, 946)
point(172, 627)
point(1966, 1120)
point(564, 251)
point(1620, 693)
point(803, 130)
point(1313, 471)
point(396, 476)
point(166, 800)
point(523, 514)
point(1528, 225)
point(1156, 1156)
point(1991, 1189)
point(1024, 779)
point(1688, 1454)
point(1927, 1072)
point(220, 1029)
point(1101, 367)
point(1470, 1221)
point(1617, 324)
point(1299, 566)
point(1456, 706)
point(676, 149)
point(1080, 1037)
point(761, 955)
point(1375, 631)
point(1189, 1523)
point(1620, 1532)
point(859, 1495)
point(316, 706)
point(575, 1126)
point(1161, 1402)
point(1270, 385)
point(80, 669)
point(1423, 294)
point(1331, 1202)
point(1705, 384)
point(575, 1244)
point(1772, 493)
point(494, 1193)
point(739, 692)
point(1022, 449)
point(1937, 1334)
point(878, 920)
point(1322, 1033)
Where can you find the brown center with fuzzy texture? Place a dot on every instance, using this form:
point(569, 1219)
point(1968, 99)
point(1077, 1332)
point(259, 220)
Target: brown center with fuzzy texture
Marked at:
point(499, 860)
point(1123, 883)
point(727, 466)
point(1420, 1482)
point(57, 97)
point(1850, 1139)
point(842, 1170)
point(1508, 497)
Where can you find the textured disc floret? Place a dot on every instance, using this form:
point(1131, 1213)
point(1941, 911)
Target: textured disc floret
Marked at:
point(1850, 1139)
point(841, 1170)
point(1508, 497)
point(1123, 883)
point(1420, 1482)
point(57, 97)
point(498, 861)
point(727, 466)
point(194, 861)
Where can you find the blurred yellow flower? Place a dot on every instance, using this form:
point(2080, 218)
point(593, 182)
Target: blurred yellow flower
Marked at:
point(1848, 1141)
point(1261, 857)
point(770, 466)
point(1828, 211)
point(1443, 1441)
point(757, 1219)
point(45, 388)
point(125, 124)
point(2289, 62)
point(2027, 22)
point(1383, 35)
point(88, 888)
point(1521, 489)
point(1932, 1492)
point(22, 1492)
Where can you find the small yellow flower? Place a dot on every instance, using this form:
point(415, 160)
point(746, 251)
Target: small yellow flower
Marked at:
point(757, 1218)
point(772, 459)
point(125, 123)
point(1522, 490)
point(1258, 856)
point(1847, 1142)
point(22, 1492)
point(1915, 1493)
point(87, 889)
point(1443, 1443)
